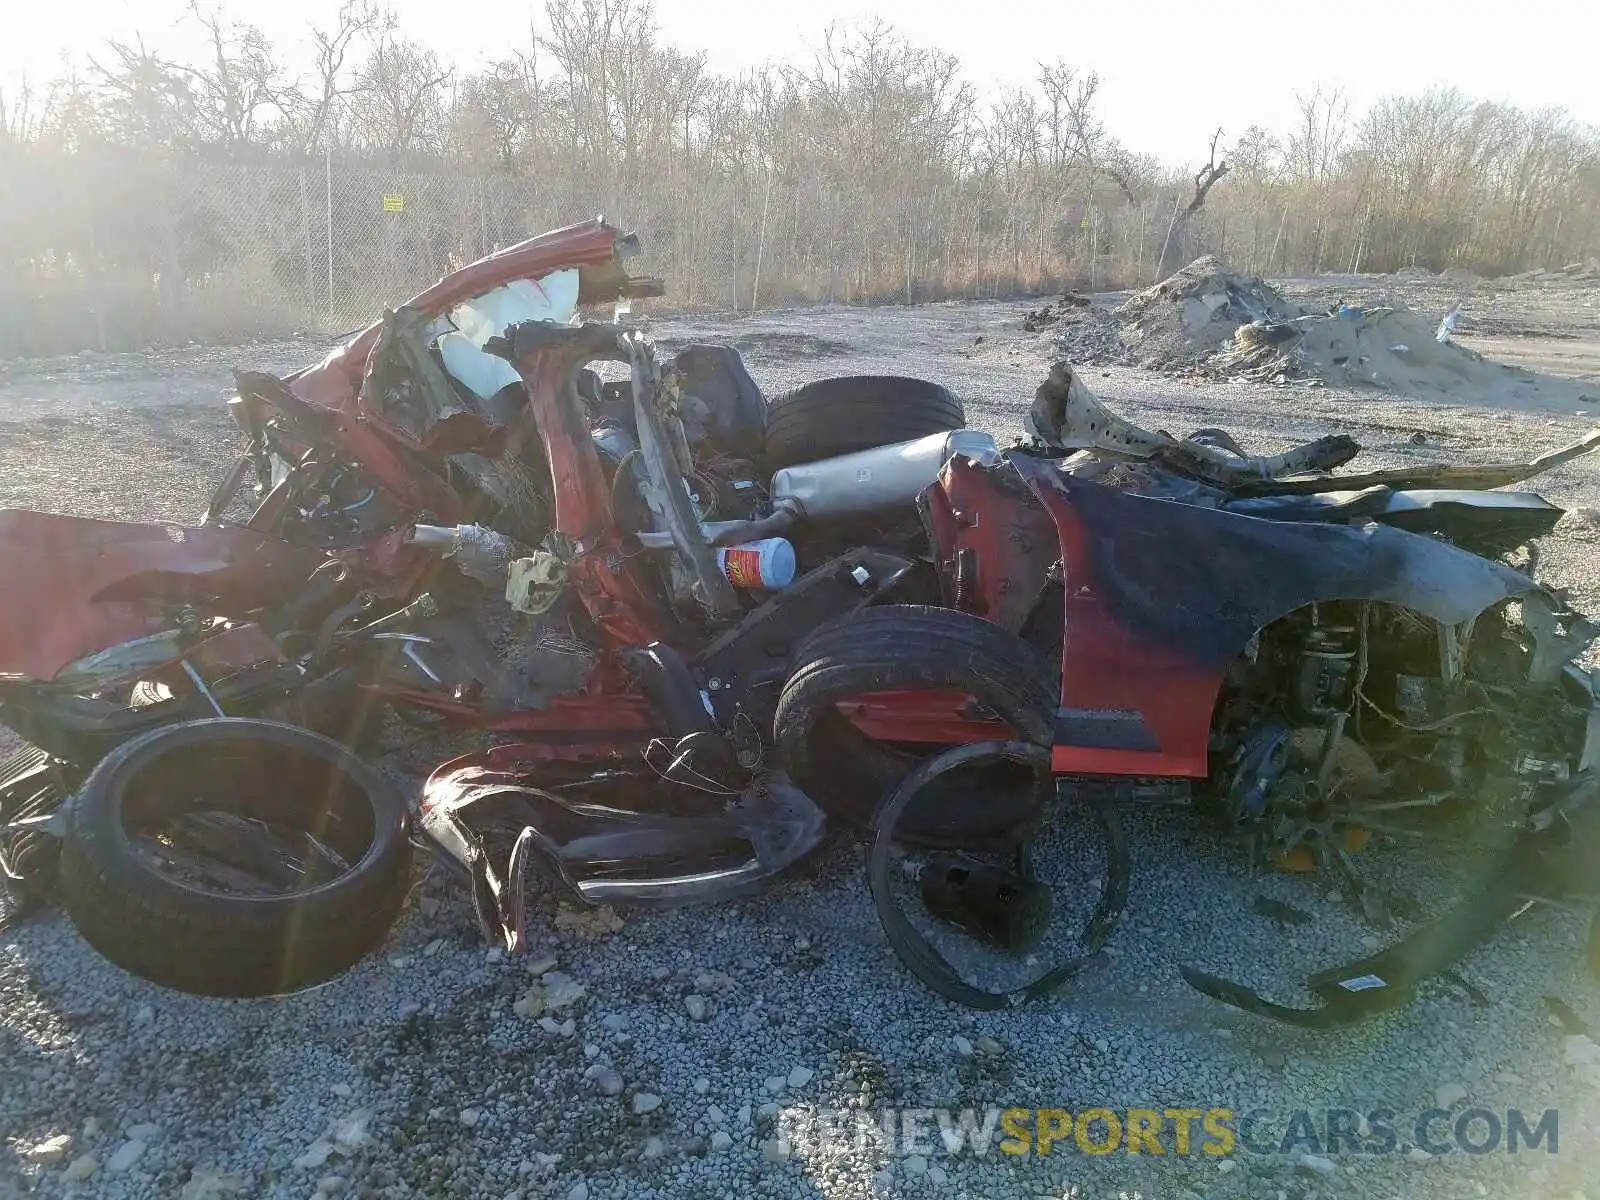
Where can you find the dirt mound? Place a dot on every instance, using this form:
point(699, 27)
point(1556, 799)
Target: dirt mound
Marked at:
point(1183, 320)
point(1071, 307)
point(1209, 322)
point(1391, 348)
point(1173, 327)
point(1577, 274)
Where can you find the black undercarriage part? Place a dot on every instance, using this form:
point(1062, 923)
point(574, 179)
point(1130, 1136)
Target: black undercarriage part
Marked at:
point(1003, 906)
point(1007, 907)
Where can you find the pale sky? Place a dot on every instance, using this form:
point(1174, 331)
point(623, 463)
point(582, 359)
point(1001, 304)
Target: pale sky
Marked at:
point(1171, 70)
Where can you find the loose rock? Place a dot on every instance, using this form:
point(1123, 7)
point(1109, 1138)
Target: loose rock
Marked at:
point(126, 1155)
point(51, 1150)
point(560, 991)
point(315, 1155)
point(606, 1081)
point(591, 923)
point(349, 1132)
point(645, 1102)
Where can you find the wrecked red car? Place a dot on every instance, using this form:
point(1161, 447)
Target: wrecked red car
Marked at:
point(694, 623)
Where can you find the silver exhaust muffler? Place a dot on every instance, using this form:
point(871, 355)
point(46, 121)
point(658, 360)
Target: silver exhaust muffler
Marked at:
point(870, 481)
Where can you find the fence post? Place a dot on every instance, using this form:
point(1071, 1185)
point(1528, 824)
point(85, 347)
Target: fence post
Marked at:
point(761, 245)
point(483, 221)
point(1138, 247)
point(95, 273)
point(305, 234)
point(1278, 241)
point(327, 168)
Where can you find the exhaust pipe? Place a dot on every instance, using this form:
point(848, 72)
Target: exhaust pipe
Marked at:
point(870, 481)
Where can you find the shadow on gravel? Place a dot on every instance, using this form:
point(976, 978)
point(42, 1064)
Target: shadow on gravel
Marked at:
point(773, 346)
point(785, 346)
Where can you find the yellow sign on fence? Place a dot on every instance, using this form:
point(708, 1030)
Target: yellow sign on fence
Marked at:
point(394, 204)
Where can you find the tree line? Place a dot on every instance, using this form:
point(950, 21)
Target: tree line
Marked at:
point(873, 172)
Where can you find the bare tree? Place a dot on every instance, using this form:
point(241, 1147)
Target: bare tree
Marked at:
point(1320, 135)
point(19, 123)
point(1205, 179)
point(313, 109)
point(497, 112)
point(241, 80)
point(398, 105)
point(143, 101)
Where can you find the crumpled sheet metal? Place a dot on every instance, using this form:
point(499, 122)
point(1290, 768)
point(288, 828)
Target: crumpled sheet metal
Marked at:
point(1068, 416)
point(670, 859)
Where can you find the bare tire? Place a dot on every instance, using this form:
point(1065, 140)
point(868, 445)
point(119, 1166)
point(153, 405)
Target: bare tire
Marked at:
point(235, 857)
point(913, 648)
point(856, 412)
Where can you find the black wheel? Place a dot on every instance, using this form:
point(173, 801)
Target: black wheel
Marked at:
point(856, 412)
point(914, 648)
point(235, 857)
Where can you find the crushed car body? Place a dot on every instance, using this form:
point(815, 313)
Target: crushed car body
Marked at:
point(696, 623)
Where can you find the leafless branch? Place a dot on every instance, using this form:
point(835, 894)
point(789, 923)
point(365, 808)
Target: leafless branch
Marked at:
point(1207, 176)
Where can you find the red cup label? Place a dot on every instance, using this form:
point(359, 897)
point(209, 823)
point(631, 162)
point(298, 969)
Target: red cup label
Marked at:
point(743, 567)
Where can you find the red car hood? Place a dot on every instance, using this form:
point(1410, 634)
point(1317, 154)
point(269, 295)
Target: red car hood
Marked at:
point(71, 586)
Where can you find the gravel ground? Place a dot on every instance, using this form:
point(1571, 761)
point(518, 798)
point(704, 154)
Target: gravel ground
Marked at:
point(416, 1073)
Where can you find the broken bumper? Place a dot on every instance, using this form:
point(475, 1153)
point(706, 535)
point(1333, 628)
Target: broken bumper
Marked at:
point(604, 854)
